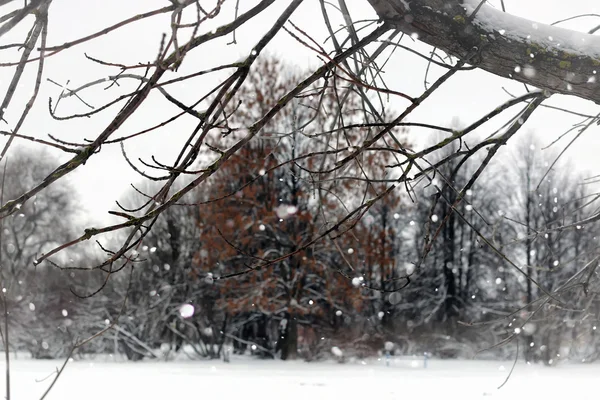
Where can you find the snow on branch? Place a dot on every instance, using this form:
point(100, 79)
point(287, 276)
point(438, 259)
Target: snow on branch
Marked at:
point(548, 57)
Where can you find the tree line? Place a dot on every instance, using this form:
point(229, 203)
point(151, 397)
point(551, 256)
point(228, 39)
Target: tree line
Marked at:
point(241, 267)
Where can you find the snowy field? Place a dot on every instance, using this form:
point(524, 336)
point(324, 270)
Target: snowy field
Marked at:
point(249, 379)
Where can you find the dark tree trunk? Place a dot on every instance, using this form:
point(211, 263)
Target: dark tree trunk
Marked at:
point(449, 234)
point(288, 338)
point(529, 353)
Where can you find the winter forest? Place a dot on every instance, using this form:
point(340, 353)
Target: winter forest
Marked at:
point(288, 196)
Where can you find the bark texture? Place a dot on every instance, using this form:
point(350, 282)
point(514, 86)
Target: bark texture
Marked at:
point(446, 25)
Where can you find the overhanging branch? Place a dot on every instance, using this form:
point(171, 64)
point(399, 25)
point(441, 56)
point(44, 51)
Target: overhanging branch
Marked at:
point(548, 57)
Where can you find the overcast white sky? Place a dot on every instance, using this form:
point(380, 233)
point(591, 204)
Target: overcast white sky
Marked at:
point(106, 176)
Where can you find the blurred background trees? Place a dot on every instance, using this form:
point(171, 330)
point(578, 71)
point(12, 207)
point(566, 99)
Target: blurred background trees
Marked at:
point(230, 271)
point(37, 298)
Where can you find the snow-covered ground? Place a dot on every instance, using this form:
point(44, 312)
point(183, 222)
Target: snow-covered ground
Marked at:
point(249, 379)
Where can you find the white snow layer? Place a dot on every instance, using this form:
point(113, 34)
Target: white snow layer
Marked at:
point(249, 379)
point(552, 38)
point(405, 4)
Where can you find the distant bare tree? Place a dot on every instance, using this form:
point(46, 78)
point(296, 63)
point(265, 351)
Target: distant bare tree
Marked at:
point(37, 297)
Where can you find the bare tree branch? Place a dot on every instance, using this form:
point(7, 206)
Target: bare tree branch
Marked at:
point(544, 56)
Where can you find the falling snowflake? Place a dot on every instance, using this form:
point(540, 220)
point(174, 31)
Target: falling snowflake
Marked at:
point(186, 310)
point(395, 298)
point(336, 351)
point(285, 211)
point(529, 328)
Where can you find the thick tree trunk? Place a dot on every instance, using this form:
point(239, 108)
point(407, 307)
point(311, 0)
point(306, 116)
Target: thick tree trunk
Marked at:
point(549, 57)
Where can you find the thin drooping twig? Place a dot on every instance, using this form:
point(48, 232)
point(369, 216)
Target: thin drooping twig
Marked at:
point(41, 141)
point(581, 131)
point(59, 372)
point(237, 8)
point(511, 369)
